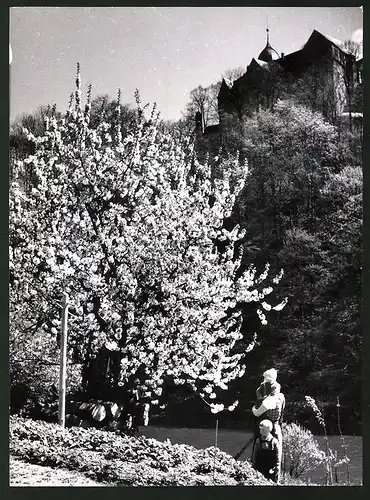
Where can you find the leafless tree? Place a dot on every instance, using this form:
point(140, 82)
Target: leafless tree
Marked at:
point(204, 99)
point(232, 74)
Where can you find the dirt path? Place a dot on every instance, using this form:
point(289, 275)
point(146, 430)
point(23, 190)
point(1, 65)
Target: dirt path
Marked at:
point(25, 474)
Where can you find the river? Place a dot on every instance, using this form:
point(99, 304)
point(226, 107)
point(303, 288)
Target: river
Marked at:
point(231, 441)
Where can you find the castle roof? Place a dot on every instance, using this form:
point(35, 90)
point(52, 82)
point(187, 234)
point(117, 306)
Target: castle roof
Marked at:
point(334, 41)
point(224, 89)
point(260, 63)
point(342, 47)
point(268, 54)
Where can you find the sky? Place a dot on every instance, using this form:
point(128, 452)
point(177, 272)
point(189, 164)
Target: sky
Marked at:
point(165, 52)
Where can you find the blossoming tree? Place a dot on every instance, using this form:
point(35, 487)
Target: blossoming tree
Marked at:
point(127, 227)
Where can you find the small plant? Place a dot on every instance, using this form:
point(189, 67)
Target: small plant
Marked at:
point(301, 452)
point(329, 454)
point(331, 461)
point(345, 459)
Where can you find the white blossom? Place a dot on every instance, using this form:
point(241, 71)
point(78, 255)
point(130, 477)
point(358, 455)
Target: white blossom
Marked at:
point(216, 408)
point(124, 226)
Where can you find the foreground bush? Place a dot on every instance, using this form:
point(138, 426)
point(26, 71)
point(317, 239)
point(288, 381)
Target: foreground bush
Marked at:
point(301, 452)
point(122, 460)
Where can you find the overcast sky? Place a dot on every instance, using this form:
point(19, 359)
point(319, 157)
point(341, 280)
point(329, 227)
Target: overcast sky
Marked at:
point(165, 52)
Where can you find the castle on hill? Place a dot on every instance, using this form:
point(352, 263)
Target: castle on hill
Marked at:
point(322, 61)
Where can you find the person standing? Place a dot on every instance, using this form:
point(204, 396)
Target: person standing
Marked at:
point(266, 454)
point(270, 406)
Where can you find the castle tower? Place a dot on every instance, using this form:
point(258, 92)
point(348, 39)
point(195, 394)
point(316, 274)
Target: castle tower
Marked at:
point(268, 54)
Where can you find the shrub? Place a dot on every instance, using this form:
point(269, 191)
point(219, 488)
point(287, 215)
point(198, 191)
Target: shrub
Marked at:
point(123, 460)
point(301, 452)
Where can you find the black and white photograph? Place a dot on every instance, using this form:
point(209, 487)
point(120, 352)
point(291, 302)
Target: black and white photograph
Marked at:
point(185, 246)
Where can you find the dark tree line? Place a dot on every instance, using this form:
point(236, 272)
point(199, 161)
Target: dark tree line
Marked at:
point(302, 210)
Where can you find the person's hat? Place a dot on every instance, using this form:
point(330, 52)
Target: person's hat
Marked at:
point(270, 375)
